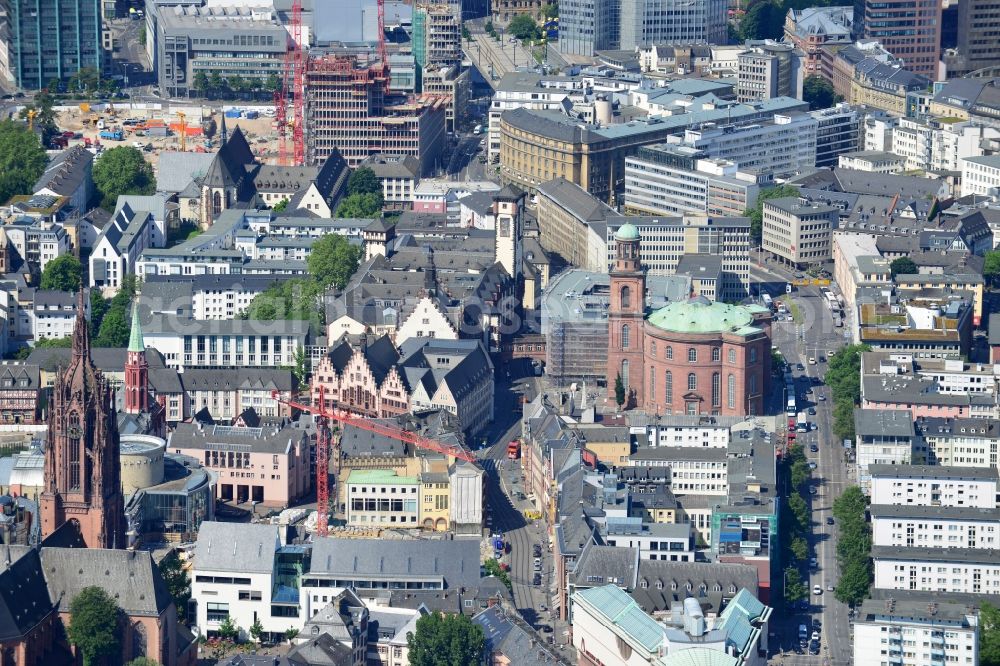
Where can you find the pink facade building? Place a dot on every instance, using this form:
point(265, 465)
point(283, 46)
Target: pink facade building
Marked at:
point(269, 465)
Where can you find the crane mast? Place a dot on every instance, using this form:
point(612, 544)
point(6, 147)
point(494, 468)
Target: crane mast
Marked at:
point(326, 445)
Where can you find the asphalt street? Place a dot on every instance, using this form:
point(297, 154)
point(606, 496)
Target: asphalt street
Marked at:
point(494, 58)
point(813, 335)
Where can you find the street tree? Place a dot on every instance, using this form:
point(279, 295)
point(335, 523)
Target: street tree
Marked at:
point(523, 27)
point(363, 181)
point(256, 630)
point(991, 267)
point(795, 589)
point(200, 82)
point(22, 159)
point(93, 625)
point(989, 635)
point(855, 581)
point(178, 583)
point(228, 631)
point(62, 273)
point(619, 391)
point(122, 170)
point(818, 92)
point(763, 20)
point(445, 640)
point(43, 107)
point(903, 266)
point(360, 206)
point(333, 261)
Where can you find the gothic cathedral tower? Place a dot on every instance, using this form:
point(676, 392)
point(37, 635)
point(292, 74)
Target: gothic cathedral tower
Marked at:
point(626, 316)
point(136, 369)
point(82, 455)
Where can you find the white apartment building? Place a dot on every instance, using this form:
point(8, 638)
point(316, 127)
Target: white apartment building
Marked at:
point(216, 298)
point(190, 343)
point(877, 131)
point(693, 471)
point(916, 630)
point(674, 180)
point(798, 231)
point(934, 486)
point(234, 577)
point(980, 175)
point(782, 146)
point(381, 498)
point(673, 542)
point(699, 433)
point(873, 161)
point(526, 90)
point(663, 240)
point(966, 442)
point(935, 527)
point(939, 145)
point(951, 570)
point(957, 376)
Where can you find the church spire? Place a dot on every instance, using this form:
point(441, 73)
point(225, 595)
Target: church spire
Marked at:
point(135, 340)
point(81, 329)
point(223, 134)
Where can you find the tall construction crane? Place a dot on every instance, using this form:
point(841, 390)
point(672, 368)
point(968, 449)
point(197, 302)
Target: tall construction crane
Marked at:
point(183, 129)
point(325, 445)
point(292, 81)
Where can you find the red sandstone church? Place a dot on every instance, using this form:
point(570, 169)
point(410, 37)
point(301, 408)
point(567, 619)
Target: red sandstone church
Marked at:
point(690, 357)
point(83, 528)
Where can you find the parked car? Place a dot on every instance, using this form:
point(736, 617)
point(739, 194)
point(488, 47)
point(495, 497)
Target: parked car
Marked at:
point(814, 448)
point(812, 465)
point(815, 636)
point(821, 398)
point(817, 589)
point(813, 491)
point(813, 562)
point(811, 411)
point(829, 521)
point(537, 580)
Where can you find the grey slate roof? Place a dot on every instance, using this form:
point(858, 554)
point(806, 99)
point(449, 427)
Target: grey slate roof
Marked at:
point(920, 554)
point(275, 439)
point(130, 577)
point(935, 512)
point(892, 422)
point(107, 359)
point(934, 472)
point(24, 596)
point(517, 644)
point(176, 170)
point(576, 200)
point(66, 172)
point(456, 560)
point(236, 547)
point(393, 166)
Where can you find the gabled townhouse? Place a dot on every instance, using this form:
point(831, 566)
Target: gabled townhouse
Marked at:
point(70, 175)
point(118, 248)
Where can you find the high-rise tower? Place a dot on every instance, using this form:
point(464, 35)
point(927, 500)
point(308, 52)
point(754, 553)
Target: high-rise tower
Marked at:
point(82, 455)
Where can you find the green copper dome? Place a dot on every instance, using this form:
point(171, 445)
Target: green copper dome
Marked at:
point(627, 232)
point(700, 315)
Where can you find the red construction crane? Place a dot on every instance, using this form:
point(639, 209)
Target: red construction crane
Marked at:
point(325, 444)
point(381, 34)
point(292, 81)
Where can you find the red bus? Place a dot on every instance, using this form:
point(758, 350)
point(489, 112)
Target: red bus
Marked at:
point(514, 450)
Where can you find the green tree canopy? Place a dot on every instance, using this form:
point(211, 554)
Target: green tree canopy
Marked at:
point(363, 181)
point(763, 20)
point(445, 640)
point(360, 205)
point(333, 261)
point(619, 391)
point(991, 266)
point(795, 589)
point(62, 273)
point(903, 266)
point(178, 583)
point(93, 625)
point(756, 212)
point(818, 92)
point(989, 635)
point(122, 170)
point(854, 544)
point(492, 568)
point(200, 81)
point(45, 115)
point(523, 27)
point(281, 206)
point(287, 299)
point(550, 10)
point(116, 324)
point(22, 160)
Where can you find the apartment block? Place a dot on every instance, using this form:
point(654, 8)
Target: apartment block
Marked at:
point(981, 176)
point(937, 570)
point(348, 109)
point(644, 22)
point(882, 438)
point(969, 442)
point(929, 630)
point(530, 91)
point(934, 485)
point(798, 231)
point(46, 41)
point(940, 144)
point(910, 31)
point(667, 179)
point(663, 241)
point(784, 145)
point(769, 69)
point(935, 527)
point(225, 41)
point(873, 161)
point(837, 132)
point(382, 498)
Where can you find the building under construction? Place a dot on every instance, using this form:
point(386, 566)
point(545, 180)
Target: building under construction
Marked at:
point(348, 107)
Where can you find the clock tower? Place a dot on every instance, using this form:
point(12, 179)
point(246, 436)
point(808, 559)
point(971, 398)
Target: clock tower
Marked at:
point(82, 453)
